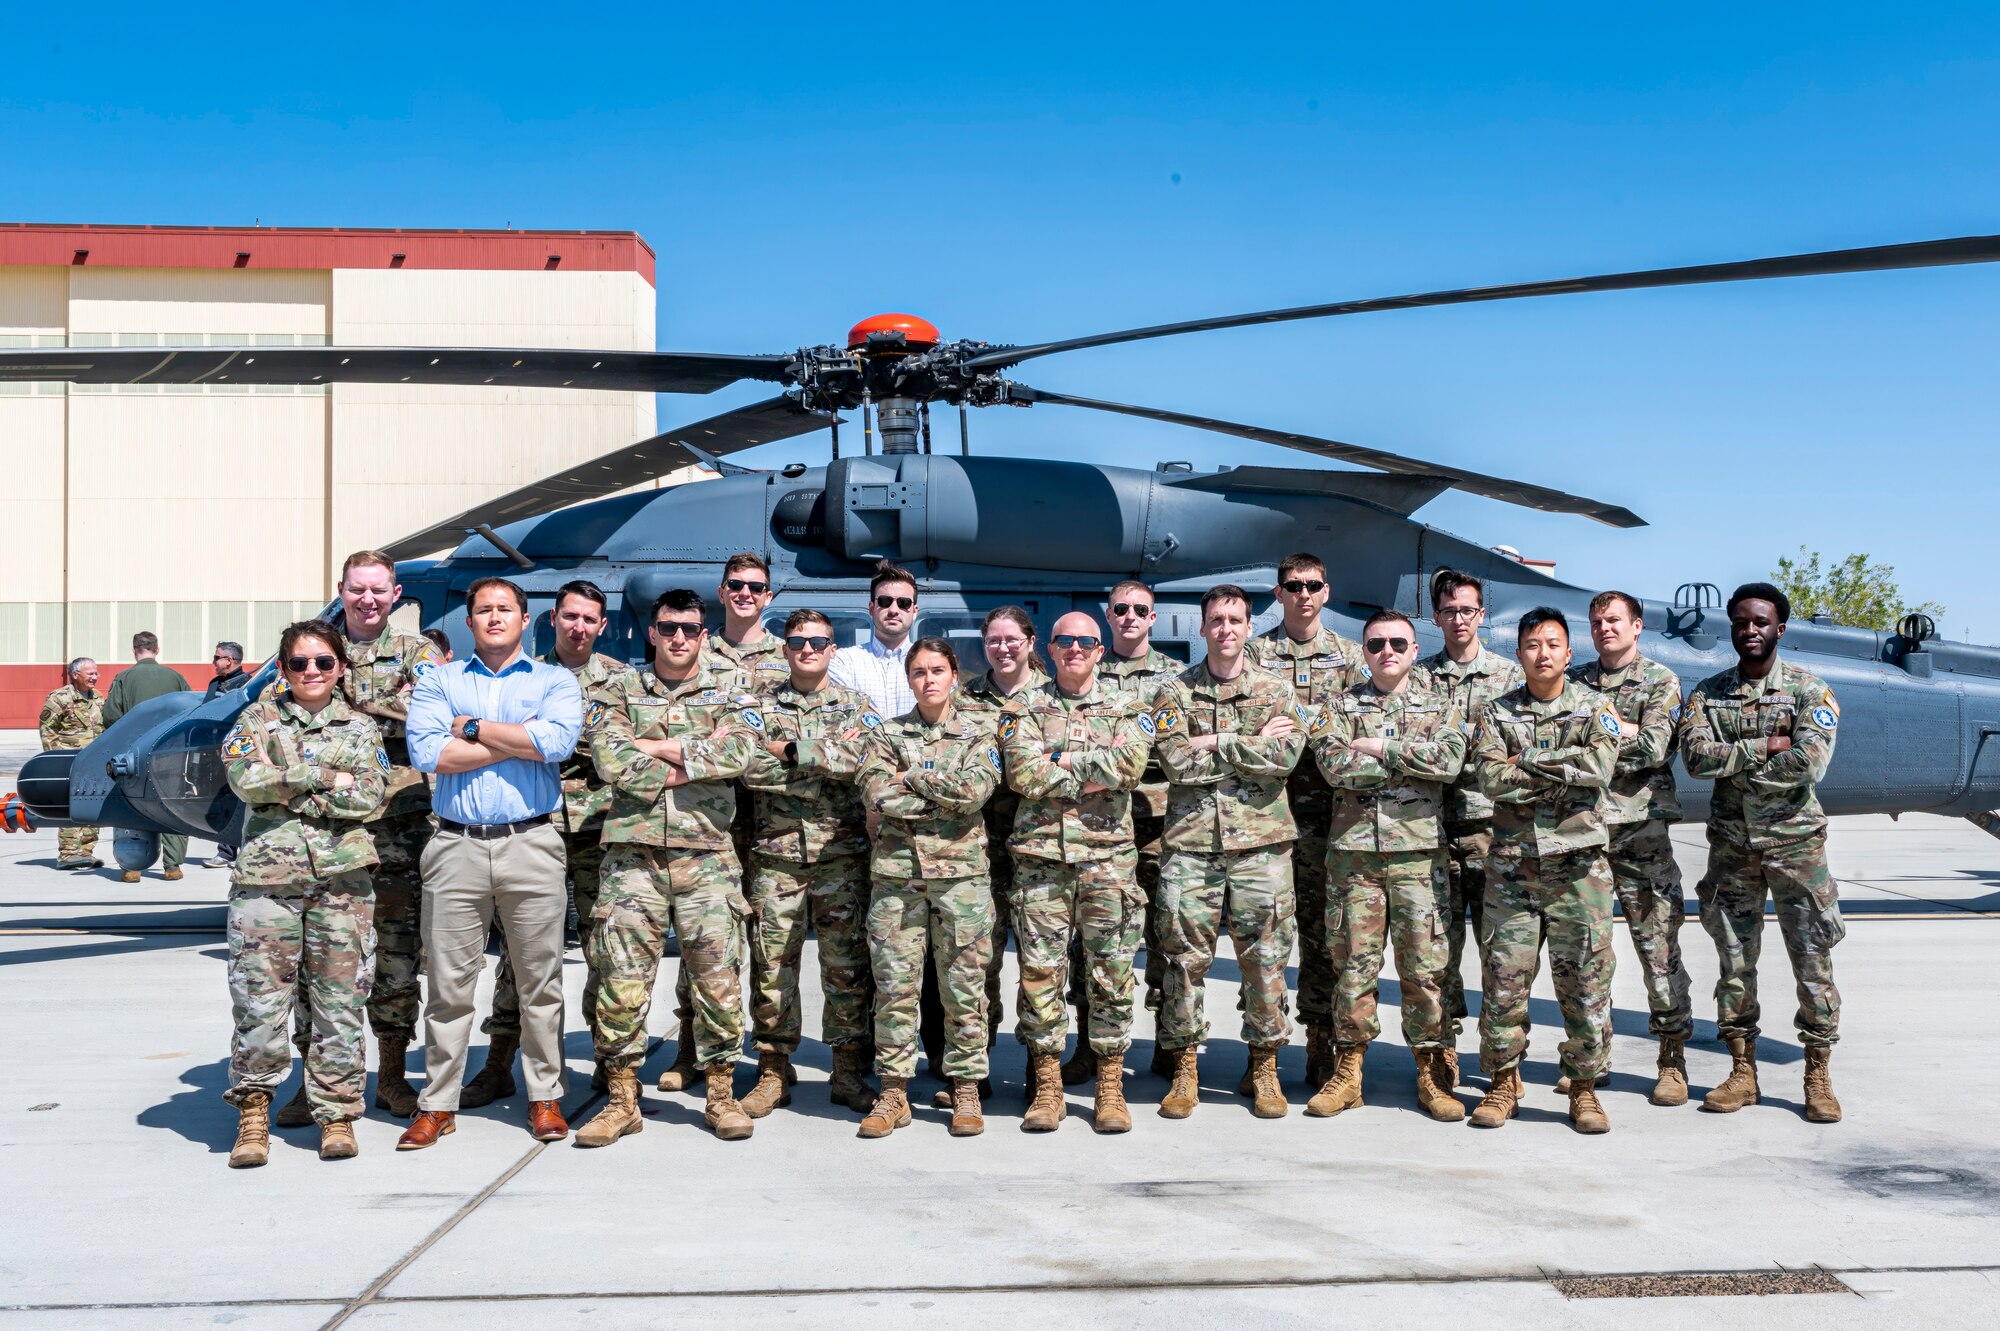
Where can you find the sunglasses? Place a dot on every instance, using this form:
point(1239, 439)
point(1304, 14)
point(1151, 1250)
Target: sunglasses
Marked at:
point(800, 643)
point(900, 602)
point(1124, 608)
point(743, 585)
point(676, 629)
point(1065, 641)
point(296, 664)
point(1296, 585)
point(1393, 644)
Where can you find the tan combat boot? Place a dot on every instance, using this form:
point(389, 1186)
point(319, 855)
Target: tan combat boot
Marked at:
point(1586, 1114)
point(966, 1120)
point(682, 1074)
point(393, 1091)
point(846, 1087)
point(723, 1113)
point(1821, 1107)
point(1185, 1093)
point(619, 1118)
point(1342, 1090)
point(891, 1109)
point(1503, 1098)
point(1603, 1079)
point(495, 1079)
point(1045, 1107)
point(1082, 1065)
point(1109, 1113)
point(1740, 1088)
point(1319, 1054)
point(1268, 1101)
point(773, 1088)
point(1672, 1086)
point(1436, 1101)
point(336, 1140)
point(253, 1130)
point(1450, 1068)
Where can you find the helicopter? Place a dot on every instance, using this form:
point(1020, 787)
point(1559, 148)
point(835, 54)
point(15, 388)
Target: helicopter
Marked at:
point(1921, 716)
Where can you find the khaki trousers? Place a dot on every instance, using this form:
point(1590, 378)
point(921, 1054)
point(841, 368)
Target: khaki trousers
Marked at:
point(467, 881)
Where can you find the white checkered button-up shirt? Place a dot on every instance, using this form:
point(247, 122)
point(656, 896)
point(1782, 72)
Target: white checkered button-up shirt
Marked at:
point(877, 671)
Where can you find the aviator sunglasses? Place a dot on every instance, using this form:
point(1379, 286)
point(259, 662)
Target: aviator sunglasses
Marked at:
point(1393, 644)
point(1124, 608)
point(745, 585)
point(295, 664)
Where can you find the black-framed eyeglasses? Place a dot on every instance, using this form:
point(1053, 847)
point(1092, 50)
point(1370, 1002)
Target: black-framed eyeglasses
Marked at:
point(1314, 586)
point(1461, 612)
point(798, 642)
point(1065, 641)
point(1124, 608)
point(1393, 644)
point(900, 602)
point(745, 585)
point(296, 664)
point(675, 629)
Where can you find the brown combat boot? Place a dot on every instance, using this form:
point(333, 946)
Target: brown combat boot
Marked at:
point(682, 1074)
point(1185, 1093)
point(846, 1087)
point(1082, 1065)
point(966, 1120)
point(1603, 1079)
point(1436, 1101)
point(1821, 1107)
point(1268, 1101)
point(172, 875)
point(1672, 1086)
point(1045, 1106)
point(892, 1109)
point(296, 1112)
point(1319, 1054)
point(393, 1091)
point(1449, 1068)
point(773, 1088)
point(495, 1079)
point(1502, 1100)
point(1109, 1112)
point(1342, 1090)
point(1586, 1114)
point(723, 1113)
point(253, 1130)
point(1740, 1088)
point(336, 1140)
point(619, 1118)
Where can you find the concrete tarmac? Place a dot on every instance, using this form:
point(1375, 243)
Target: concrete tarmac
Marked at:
point(121, 1213)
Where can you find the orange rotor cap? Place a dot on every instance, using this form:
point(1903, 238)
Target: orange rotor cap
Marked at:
point(902, 332)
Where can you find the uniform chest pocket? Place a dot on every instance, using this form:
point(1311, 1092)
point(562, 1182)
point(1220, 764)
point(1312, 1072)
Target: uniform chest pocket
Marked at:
point(649, 721)
point(1776, 717)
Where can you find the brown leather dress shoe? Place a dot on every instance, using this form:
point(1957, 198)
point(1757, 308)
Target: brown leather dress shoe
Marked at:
point(426, 1128)
point(546, 1122)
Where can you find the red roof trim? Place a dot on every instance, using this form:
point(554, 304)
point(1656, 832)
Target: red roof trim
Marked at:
point(42, 245)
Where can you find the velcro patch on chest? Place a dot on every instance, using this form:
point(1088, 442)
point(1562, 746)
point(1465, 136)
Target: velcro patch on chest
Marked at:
point(1008, 725)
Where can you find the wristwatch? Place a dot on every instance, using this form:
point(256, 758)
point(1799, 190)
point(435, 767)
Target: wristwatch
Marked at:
point(472, 729)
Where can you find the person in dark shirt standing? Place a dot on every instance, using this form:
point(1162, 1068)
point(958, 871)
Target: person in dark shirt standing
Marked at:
point(145, 680)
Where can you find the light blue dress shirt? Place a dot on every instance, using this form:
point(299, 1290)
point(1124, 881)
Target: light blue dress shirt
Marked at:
point(524, 692)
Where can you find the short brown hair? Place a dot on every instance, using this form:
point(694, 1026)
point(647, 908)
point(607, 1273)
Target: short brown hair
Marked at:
point(886, 572)
point(145, 640)
point(367, 559)
point(1299, 563)
point(1632, 606)
point(798, 619)
point(748, 559)
point(1225, 591)
point(1131, 585)
point(481, 584)
point(1448, 580)
point(1389, 617)
point(936, 646)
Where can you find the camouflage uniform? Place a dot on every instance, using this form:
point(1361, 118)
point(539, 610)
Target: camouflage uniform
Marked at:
point(1074, 857)
point(586, 801)
point(978, 701)
point(70, 720)
point(1141, 678)
point(1545, 766)
point(1468, 822)
point(1319, 670)
point(1767, 835)
point(301, 904)
point(1228, 838)
point(1386, 883)
point(1639, 807)
point(762, 664)
point(931, 784)
point(668, 859)
point(809, 856)
point(380, 676)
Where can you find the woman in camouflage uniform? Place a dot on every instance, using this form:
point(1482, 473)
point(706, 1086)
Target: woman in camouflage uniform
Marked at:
point(301, 900)
point(925, 780)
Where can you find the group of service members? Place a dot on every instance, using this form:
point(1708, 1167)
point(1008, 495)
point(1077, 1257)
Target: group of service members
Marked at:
point(1295, 786)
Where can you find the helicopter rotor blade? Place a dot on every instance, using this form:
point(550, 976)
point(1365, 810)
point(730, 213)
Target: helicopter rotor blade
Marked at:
point(1492, 487)
point(1916, 254)
point(731, 432)
point(502, 367)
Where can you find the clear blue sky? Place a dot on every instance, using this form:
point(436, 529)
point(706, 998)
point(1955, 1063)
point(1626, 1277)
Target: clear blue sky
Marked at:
point(1020, 172)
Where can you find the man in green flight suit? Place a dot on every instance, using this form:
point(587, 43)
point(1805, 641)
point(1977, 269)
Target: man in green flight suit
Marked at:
point(145, 680)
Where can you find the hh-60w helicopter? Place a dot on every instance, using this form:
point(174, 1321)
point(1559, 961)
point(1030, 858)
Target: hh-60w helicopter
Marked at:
point(1921, 718)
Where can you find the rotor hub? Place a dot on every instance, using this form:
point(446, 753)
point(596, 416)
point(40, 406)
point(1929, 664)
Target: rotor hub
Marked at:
point(892, 334)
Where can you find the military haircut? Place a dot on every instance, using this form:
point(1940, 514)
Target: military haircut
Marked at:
point(1225, 591)
point(1761, 591)
point(679, 600)
point(936, 646)
point(1389, 617)
point(233, 650)
point(145, 640)
point(1632, 606)
point(481, 584)
point(798, 619)
point(748, 559)
point(294, 634)
point(588, 590)
point(1448, 580)
point(1293, 565)
point(1130, 585)
point(886, 572)
point(1540, 615)
point(367, 559)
